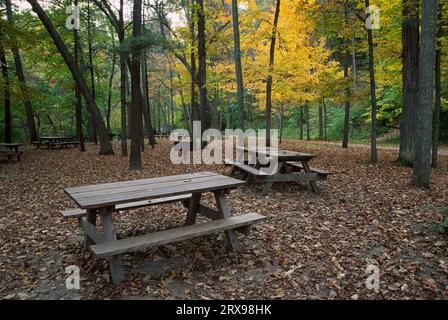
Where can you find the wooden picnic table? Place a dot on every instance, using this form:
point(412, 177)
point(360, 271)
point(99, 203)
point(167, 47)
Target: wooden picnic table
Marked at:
point(53, 141)
point(292, 167)
point(11, 149)
point(105, 199)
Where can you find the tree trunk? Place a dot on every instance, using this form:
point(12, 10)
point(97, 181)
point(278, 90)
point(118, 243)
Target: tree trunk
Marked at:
point(438, 90)
point(422, 164)
point(105, 145)
point(238, 67)
point(202, 72)
point(308, 136)
point(320, 122)
point(135, 114)
point(325, 119)
point(194, 104)
point(93, 133)
point(348, 94)
point(410, 39)
point(79, 132)
point(111, 77)
point(21, 77)
point(269, 78)
point(373, 150)
point(281, 122)
point(301, 123)
point(7, 98)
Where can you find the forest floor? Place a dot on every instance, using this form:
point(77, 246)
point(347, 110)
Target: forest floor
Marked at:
point(310, 246)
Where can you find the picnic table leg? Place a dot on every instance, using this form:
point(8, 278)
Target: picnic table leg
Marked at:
point(91, 218)
point(224, 212)
point(193, 208)
point(307, 169)
point(268, 185)
point(115, 262)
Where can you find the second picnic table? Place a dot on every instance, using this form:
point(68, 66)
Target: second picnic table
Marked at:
point(53, 141)
point(11, 149)
point(105, 199)
point(292, 167)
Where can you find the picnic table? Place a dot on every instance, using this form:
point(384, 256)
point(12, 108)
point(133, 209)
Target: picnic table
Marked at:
point(54, 141)
point(292, 167)
point(104, 200)
point(11, 149)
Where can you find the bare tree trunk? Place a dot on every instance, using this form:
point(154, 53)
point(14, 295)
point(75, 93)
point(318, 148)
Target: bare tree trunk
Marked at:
point(111, 77)
point(438, 89)
point(21, 77)
point(281, 122)
point(93, 133)
point(411, 40)
point(238, 68)
point(348, 94)
point(6, 98)
point(105, 145)
point(422, 164)
point(320, 122)
point(135, 114)
point(373, 150)
point(308, 136)
point(269, 78)
point(325, 119)
point(301, 122)
point(79, 132)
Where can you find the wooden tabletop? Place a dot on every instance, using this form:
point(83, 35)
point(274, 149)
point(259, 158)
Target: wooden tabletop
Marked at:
point(282, 155)
point(110, 194)
point(7, 144)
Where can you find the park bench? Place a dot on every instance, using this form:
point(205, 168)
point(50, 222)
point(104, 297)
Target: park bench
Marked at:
point(109, 198)
point(60, 141)
point(298, 166)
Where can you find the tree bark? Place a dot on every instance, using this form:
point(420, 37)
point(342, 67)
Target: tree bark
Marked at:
point(410, 39)
point(438, 90)
point(105, 145)
point(79, 132)
point(7, 99)
point(21, 77)
point(93, 133)
point(373, 150)
point(269, 78)
point(422, 164)
point(135, 114)
point(348, 94)
point(238, 67)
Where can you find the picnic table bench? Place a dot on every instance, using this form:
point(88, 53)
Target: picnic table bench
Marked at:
point(105, 199)
point(56, 141)
point(292, 167)
point(11, 150)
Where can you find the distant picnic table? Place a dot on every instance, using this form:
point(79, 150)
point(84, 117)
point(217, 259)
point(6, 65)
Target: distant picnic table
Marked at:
point(292, 167)
point(105, 199)
point(55, 141)
point(10, 150)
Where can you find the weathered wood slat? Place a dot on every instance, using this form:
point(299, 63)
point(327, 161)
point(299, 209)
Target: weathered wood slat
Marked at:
point(92, 232)
point(315, 170)
point(123, 184)
point(76, 213)
point(111, 248)
point(221, 182)
point(289, 178)
point(245, 168)
point(149, 186)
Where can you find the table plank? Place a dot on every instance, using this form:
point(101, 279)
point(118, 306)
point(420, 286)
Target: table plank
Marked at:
point(105, 198)
point(123, 184)
point(283, 155)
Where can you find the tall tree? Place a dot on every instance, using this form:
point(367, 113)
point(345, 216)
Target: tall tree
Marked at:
point(438, 90)
point(373, 103)
point(269, 78)
point(79, 130)
point(92, 127)
point(410, 39)
point(6, 94)
point(202, 70)
point(348, 95)
point(422, 164)
point(135, 112)
point(21, 77)
point(238, 67)
point(105, 145)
